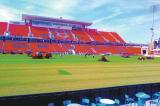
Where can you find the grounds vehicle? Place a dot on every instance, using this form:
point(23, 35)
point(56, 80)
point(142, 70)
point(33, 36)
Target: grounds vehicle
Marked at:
point(41, 55)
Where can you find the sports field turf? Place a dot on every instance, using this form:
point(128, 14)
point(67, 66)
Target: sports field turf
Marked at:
point(19, 74)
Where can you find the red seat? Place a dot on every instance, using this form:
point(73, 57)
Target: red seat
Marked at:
point(61, 34)
point(1, 46)
point(15, 46)
point(97, 37)
point(3, 28)
point(80, 48)
point(40, 32)
point(117, 37)
point(134, 50)
point(81, 36)
point(108, 36)
point(18, 30)
point(57, 48)
point(66, 47)
point(40, 47)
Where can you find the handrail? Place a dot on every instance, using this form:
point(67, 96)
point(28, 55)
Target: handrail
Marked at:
point(34, 39)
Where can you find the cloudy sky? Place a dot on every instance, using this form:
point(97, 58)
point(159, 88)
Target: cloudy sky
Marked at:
point(132, 19)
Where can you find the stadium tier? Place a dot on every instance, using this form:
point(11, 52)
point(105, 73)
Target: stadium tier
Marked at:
point(18, 30)
point(41, 34)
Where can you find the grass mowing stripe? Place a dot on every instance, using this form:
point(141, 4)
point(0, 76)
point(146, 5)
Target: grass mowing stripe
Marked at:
point(20, 74)
point(63, 72)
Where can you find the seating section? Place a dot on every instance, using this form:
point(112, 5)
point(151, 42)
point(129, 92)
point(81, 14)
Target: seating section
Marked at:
point(117, 37)
point(97, 37)
point(59, 34)
point(112, 49)
point(68, 35)
point(57, 48)
point(15, 46)
point(3, 28)
point(67, 47)
point(108, 36)
point(80, 49)
point(102, 50)
point(85, 49)
point(122, 49)
point(81, 36)
point(40, 32)
point(18, 30)
point(40, 47)
point(134, 50)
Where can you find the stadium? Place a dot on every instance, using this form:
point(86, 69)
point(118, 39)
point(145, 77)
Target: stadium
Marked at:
point(49, 61)
point(41, 34)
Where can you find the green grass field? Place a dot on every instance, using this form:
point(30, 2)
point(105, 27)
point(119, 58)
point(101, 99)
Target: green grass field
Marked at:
point(19, 74)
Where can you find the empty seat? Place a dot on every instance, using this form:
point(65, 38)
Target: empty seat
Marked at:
point(18, 30)
point(102, 49)
point(92, 49)
point(117, 37)
point(61, 34)
point(82, 49)
point(40, 32)
point(108, 36)
point(15, 46)
point(122, 50)
point(58, 48)
point(3, 28)
point(67, 47)
point(81, 36)
point(40, 47)
point(134, 50)
point(97, 37)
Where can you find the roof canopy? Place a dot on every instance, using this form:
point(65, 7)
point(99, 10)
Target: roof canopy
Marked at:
point(41, 18)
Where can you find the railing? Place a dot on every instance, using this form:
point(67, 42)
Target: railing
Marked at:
point(17, 38)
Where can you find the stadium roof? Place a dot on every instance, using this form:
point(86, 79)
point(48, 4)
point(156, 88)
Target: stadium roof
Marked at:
point(33, 17)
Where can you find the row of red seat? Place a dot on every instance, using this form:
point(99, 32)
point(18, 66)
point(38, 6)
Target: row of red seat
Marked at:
point(22, 46)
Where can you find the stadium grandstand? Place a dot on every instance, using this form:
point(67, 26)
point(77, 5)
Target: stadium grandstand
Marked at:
point(44, 34)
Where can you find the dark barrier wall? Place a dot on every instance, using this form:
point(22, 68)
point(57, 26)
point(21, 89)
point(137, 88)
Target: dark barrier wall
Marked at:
point(57, 98)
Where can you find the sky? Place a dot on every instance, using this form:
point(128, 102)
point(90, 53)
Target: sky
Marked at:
point(132, 19)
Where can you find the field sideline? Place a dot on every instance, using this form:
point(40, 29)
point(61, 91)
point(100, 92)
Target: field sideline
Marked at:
point(19, 74)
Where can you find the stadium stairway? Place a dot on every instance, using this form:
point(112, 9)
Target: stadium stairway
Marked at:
point(95, 36)
point(81, 36)
point(116, 36)
point(108, 36)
